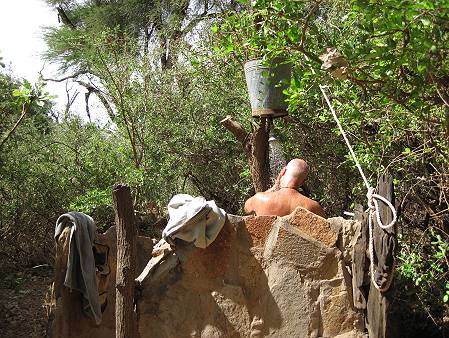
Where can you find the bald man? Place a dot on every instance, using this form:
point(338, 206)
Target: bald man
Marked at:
point(284, 197)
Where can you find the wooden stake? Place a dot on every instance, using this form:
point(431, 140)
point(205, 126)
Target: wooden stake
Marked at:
point(378, 319)
point(125, 323)
point(360, 263)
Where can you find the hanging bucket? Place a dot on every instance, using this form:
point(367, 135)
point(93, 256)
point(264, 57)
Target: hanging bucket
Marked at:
point(265, 86)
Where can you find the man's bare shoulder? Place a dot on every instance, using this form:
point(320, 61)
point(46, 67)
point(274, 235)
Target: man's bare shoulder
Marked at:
point(315, 207)
point(309, 204)
point(255, 202)
point(265, 195)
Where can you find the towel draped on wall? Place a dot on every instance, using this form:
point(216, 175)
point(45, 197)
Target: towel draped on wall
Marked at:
point(193, 219)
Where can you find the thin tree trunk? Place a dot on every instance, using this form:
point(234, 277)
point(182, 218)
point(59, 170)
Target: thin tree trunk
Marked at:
point(258, 159)
point(256, 148)
point(125, 320)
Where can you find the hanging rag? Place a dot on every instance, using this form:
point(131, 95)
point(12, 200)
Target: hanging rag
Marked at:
point(80, 274)
point(193, 219)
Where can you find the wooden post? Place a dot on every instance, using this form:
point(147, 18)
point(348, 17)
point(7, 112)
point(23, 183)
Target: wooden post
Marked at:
point(379, 323)
point(256, 149)
point(258, 160)
point(126, 327)
point(360, 264)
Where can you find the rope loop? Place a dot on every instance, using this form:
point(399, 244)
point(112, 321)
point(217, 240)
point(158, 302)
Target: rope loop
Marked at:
point(374, 209)
point(375, 198)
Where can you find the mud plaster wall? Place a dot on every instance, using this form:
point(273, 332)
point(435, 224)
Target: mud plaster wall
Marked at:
point(67, 319)
point(263, 276)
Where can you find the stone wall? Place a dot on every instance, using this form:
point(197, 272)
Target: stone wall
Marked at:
point(263, 276)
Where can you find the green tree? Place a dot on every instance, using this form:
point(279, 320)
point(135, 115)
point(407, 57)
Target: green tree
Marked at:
point(162, 114)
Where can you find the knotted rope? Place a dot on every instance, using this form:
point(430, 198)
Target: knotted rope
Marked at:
point(373, 202)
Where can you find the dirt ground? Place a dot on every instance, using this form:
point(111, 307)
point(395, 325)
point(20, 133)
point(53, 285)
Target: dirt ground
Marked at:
point(22, 299)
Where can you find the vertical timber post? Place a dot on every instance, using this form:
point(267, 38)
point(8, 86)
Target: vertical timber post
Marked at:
point(378, 317)
point(258, 159)
point(360, 264)
point(125, 326)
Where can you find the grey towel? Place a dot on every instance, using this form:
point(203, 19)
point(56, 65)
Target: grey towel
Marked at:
point(193, 219)
point(80, 273)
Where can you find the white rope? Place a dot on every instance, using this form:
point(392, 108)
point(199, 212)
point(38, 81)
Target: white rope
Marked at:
point(374, 210)
point(373, 203)
point(345, 137)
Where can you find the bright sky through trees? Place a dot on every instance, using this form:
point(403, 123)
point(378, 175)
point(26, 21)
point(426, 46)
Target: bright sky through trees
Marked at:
point(20, 41)
point(21, 44)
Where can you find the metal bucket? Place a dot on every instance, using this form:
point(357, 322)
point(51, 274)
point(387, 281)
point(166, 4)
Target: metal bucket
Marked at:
point(265, 87)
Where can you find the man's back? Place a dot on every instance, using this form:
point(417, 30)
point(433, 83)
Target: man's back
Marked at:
point(281, 202)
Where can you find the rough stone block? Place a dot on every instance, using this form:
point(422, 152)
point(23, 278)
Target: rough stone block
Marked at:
point(292, 303)
point(349, 231)
point(259, 227)
point(336, 308)
point(313, 225)
point(231, 301)
point(309, 257)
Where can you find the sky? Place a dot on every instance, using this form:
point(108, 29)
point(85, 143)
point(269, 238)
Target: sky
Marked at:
point(21, 46)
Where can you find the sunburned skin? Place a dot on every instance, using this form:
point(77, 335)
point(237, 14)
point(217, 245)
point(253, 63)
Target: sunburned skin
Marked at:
point(264, 199)
point(284, 198)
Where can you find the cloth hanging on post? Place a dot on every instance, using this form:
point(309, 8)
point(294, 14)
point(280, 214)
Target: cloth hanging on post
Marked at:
point(80, 274)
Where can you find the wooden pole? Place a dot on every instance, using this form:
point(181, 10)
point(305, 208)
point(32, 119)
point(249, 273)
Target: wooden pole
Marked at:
point(378, 319)
point(125, 325)
point(360, 264)
point(259, 163)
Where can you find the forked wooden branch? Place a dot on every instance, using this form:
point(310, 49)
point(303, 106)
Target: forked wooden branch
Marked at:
point(236, 129)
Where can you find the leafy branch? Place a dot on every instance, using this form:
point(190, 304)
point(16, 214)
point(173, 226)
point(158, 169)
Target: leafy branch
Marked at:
point(27, 95)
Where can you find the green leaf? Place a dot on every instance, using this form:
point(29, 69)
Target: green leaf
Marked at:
point(421, 67)
point(229, 48)
point(27, 84)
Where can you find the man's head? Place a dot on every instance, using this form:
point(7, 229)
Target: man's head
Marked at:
point(294, 174)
